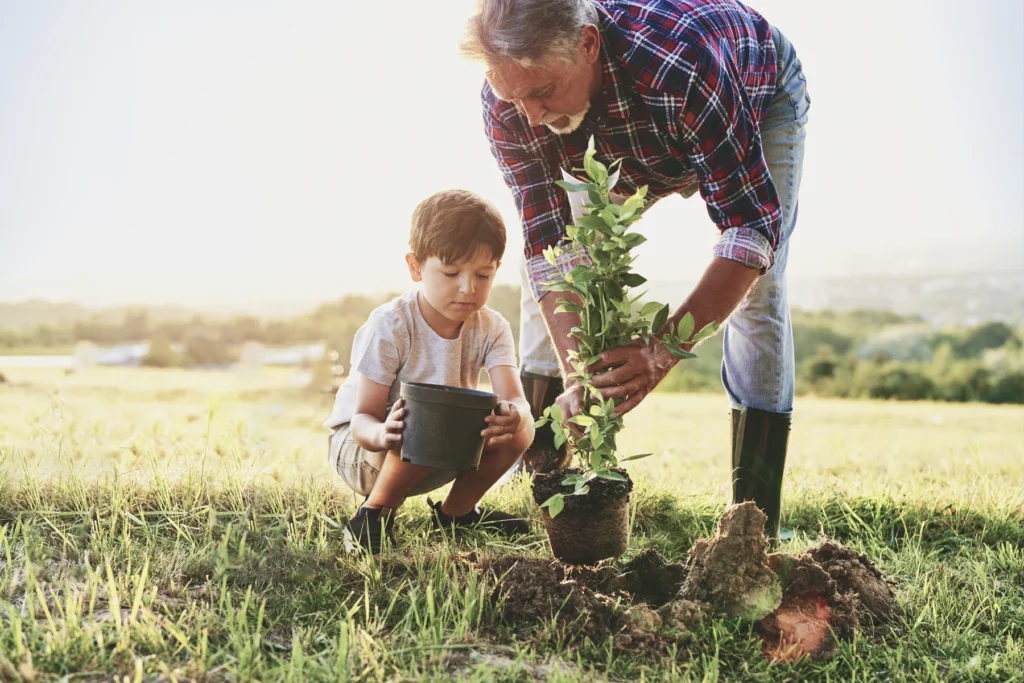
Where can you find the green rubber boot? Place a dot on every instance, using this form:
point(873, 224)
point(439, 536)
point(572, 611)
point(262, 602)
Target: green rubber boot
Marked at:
point(759, 442)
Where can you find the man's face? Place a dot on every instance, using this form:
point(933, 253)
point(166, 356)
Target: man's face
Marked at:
point(456, 290)
point(553, 93)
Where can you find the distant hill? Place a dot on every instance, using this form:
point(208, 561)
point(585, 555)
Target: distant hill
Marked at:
point(941, 300)
point(26, 315)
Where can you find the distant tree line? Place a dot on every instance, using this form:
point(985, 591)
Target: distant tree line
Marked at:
point(867, 354)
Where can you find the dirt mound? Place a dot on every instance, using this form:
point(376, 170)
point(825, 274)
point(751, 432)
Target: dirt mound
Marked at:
point(730, 570)
point(854, 573)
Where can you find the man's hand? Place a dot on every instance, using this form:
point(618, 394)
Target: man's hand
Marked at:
point(503, 424)
point(391, 428)
point(571, 403)
point(636, 369)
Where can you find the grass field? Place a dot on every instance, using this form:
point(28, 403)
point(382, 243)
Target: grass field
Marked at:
point(174, 525)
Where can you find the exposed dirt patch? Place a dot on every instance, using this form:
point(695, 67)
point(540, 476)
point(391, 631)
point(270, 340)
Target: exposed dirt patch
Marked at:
point(801, 605)
point(649, 578)
point(535, 590)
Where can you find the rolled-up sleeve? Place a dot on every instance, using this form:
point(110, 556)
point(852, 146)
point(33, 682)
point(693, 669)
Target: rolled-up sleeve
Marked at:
point(543, 208)
point(721, 131)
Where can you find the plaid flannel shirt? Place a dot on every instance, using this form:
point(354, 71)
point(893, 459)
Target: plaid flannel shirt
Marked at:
point(685, 85)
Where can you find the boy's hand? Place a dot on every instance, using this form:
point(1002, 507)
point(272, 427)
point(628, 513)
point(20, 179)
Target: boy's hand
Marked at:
point(392, 427)
point(502, 425)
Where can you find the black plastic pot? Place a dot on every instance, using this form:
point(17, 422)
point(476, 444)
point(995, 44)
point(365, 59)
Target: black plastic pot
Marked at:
point(443, 425)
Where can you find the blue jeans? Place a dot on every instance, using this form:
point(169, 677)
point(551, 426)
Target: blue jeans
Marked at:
point(758, 369)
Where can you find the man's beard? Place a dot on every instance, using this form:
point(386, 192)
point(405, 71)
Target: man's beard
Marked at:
point(574, 121)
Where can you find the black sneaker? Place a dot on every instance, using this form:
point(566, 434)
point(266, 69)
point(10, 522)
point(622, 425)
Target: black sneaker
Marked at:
point(369, 529)
point(486, 520)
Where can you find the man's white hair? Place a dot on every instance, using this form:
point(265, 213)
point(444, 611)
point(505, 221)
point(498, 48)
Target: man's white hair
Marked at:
point(527, 32)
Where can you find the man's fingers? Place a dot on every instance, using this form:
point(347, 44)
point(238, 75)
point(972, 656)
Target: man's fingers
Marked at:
point(624, 390)
point(632, 402)
point(502, 419)
point(613, 377)
point(394, 425)
point(392, 438)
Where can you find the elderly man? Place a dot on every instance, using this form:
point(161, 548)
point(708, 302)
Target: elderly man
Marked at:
point(691, 94)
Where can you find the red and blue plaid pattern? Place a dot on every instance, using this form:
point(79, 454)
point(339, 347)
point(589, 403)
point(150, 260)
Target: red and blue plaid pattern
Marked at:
point(686, 83)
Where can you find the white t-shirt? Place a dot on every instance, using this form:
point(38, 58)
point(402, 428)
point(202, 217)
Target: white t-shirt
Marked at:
point(397, 345)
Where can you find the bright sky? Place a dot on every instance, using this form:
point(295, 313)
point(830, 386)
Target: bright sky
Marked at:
point(212, 153)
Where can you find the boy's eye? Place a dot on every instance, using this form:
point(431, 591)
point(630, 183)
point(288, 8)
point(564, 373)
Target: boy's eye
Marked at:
point(450, 274)
point(484, 277)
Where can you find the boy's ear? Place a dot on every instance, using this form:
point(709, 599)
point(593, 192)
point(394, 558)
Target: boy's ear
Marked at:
point(415, 269)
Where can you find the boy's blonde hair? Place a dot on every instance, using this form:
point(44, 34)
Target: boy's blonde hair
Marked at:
point(453, 224)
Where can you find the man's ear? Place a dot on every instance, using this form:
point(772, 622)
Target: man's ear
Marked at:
point(590, 44)
point(415, 269)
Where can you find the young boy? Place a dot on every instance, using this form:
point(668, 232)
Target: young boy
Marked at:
point(441, 334)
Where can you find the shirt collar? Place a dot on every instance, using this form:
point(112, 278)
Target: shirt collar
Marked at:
point(612, 100)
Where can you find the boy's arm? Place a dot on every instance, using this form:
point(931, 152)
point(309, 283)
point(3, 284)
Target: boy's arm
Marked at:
point(505, 383)
point(368, 419)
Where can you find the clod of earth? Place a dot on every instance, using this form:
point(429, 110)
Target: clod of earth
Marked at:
point(812, 610)
point(730, 570)
point(854, 573)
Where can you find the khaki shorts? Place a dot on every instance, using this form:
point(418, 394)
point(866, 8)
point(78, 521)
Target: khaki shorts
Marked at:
point(359, 467)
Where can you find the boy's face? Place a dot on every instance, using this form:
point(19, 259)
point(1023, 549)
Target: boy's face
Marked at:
point(456, 290)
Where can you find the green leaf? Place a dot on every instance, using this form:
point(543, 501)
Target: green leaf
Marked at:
point(557, 415)
point(563, 287)
point(581, 490)
point(660, 319)
point(679, 353)
point(582, 420)
point(571, 231)
point(609, 218)
point(708, 330)
point(613, 178)
point(685, 326)
point(554, 504)
point(581, 274)
point(569, 308)
point(633, 240)
point(608, 474)
point(540, 422)
point(635, 457)
point(593, 222)
point(549, 255)
point(575, 187)
point(596, 410)
point(596, 438)
point(633, 279)
point(650, 309)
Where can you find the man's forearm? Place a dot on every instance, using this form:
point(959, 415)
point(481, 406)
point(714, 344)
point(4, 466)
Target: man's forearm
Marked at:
point(560, 326)
point(724, 285)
